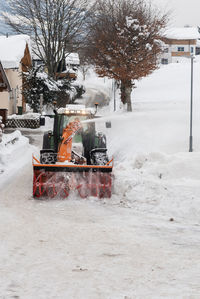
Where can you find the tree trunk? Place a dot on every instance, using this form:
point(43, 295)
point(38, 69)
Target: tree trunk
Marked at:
point(84, 75)
point(126, 88)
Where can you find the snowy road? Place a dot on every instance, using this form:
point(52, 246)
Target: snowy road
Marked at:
point(142, 243)
point(89, 249)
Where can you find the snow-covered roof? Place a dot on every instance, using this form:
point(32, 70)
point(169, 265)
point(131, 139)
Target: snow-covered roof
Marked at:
point(72, 58)
point(12, 50)
point(182, 33)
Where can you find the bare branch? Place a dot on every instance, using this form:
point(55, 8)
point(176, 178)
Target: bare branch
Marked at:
point(54, 25)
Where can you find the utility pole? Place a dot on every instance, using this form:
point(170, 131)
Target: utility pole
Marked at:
point(191, 106)
point(114, 93)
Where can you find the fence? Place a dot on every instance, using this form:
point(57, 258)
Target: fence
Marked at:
point(23, 123)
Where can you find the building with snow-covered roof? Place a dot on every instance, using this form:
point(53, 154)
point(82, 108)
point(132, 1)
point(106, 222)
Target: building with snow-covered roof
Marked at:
point(15, 57)
point(179, 43)
point(72, 60)
point(69, 67)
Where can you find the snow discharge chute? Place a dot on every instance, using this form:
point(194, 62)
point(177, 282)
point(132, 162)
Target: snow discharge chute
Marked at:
point(73, 158)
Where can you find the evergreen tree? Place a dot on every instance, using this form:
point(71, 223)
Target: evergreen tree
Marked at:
point(37, 82)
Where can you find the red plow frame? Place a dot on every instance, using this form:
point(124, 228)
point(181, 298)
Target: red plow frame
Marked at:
point(53, 180)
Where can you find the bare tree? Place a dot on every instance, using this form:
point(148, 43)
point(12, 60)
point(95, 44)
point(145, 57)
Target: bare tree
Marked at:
point(124, 41)
point(56, 26)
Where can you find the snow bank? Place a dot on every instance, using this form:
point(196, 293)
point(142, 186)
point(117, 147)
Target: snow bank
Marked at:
point(165, 185)
point(29, 115)
point(10, 139)
point(15, 152)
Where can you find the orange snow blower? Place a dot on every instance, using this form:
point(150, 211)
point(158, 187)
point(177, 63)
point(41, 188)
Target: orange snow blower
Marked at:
point(73, 158)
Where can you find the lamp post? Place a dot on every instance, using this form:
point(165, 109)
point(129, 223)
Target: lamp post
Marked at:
point(191, 106)
point(114, 94)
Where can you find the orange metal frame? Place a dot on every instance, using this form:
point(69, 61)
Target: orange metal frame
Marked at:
point(108, 165)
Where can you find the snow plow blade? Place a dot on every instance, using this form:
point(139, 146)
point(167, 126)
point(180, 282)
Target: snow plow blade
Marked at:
point(55, 180)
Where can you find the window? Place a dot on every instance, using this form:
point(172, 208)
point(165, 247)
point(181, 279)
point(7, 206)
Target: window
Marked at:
point(164, 61)
point(192, 49)
point(166, 50)
point(180, 49)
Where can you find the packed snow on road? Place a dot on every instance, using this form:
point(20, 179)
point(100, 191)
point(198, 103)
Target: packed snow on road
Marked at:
point(141, 243)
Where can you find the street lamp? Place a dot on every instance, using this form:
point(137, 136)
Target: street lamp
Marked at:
point(191, 105)
point(114, 88)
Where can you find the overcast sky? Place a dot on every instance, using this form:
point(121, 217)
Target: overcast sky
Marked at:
point(184, 12)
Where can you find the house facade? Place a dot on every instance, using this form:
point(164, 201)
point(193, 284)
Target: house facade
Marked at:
point(180, 43)
point(15, 57)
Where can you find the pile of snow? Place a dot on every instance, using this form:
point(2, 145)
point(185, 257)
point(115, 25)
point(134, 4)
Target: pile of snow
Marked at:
point(15, 152)
point(29, 115)
point(166, 185)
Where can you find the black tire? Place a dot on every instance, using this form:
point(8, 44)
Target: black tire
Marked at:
point(47, 156)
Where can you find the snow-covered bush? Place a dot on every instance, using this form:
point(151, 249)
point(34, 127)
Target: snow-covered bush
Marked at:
point(38, 82)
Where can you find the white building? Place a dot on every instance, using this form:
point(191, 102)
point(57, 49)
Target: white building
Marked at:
point(15, 58)
point(180, 43)
point(72, 60)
